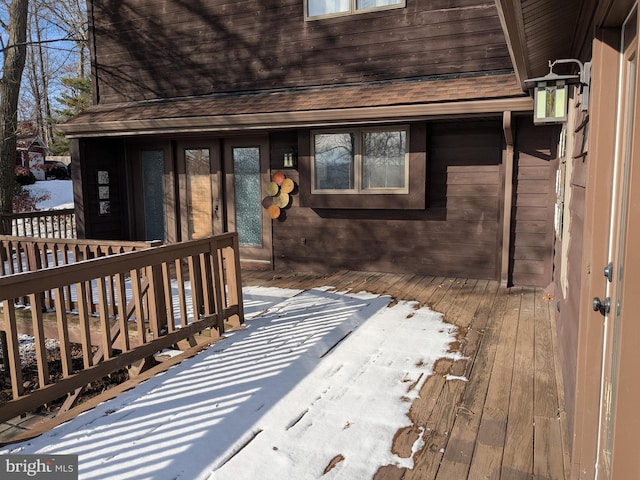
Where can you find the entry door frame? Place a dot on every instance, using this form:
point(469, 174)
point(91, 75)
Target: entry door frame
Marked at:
point(136, 214)
point(215, 177)
point(262, 255)
point(601, 189)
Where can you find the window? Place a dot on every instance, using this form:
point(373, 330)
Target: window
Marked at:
point(366, 161)
point(323, 8)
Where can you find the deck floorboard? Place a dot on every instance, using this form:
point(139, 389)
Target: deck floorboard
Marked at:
point(495, 411)
point(502, 417)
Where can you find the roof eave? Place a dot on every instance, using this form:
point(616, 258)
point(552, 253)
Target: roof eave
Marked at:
point(511, 19)
point(294, 119)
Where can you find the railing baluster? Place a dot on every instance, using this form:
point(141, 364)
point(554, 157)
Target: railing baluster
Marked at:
point(182, 296)
point(206, 281)
point(35, 299)
point(168, 297)
point(17, 386)
point(103, 308)
point(83, 318)
point(63, 333)
point(196, 287)
point(139, 312)
point(152, 297)
point(121, 295)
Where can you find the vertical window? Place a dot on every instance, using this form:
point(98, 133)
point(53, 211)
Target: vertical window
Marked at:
point(323, 8)
point(383, 159)
point(334, 161)
point(361, 161)
point(153, 194)
point(246, 177)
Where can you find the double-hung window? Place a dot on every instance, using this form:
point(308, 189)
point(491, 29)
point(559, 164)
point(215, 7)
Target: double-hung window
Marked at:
point(323, 8)
point(360, 161)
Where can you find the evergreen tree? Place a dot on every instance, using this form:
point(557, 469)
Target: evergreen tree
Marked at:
point(75, 100)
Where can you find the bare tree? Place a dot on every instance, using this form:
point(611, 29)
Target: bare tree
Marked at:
point(14, 51)
point(70, 16)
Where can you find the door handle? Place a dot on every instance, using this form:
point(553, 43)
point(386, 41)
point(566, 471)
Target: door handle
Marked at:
point(604, 307)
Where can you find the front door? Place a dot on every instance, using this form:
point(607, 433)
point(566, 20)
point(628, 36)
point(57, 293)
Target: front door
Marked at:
point(618, 300)
point(154, 201)
point(199, 188)
point(246, 161)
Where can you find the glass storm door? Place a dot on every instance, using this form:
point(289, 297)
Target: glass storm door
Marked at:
point(247, 173)
point(152, 190)
point(199, 173)
point(620, 382)
point(153, 204)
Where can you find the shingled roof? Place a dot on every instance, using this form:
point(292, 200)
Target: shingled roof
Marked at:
point(377, 101)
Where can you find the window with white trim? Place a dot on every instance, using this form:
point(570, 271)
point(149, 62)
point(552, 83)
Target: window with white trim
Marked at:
point(326, 8)
point(360, 161)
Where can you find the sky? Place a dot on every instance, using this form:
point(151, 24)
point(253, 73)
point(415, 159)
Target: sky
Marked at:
point(314, 376)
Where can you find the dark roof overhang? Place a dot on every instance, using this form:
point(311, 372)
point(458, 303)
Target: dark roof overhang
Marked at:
point(480, 94)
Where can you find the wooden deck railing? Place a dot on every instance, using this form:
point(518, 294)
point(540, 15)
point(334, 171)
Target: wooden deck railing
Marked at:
point(145, 301)
point(29, 254)
point(43, 224)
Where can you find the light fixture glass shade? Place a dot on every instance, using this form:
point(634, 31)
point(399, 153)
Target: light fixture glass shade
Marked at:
point(550, 102)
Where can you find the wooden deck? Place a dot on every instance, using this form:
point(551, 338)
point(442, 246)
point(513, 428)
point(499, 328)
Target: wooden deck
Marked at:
point(506, 420)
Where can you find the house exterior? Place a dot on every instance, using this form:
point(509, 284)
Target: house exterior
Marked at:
point(406, 128)
point(31, 154)
point(185, 92)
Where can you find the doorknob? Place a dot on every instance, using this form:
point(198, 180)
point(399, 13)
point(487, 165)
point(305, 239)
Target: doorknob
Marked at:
point(604, 307)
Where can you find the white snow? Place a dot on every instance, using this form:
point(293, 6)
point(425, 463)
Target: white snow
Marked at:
point(60, 193)
point(315, 376)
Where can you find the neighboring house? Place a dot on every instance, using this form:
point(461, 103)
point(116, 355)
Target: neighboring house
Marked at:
point(31, 154)
point(407, 128)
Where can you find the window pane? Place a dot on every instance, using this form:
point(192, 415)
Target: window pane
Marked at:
point(333, 161)
point(384, 159)
point(246, 178)
point(325, 7)
point(153, 194)
point(360, 4)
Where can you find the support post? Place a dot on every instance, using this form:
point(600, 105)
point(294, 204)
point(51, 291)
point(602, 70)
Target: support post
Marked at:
point(507, 158)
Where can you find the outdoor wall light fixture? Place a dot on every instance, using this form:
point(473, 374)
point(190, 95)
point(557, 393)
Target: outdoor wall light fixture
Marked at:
point(551, 92)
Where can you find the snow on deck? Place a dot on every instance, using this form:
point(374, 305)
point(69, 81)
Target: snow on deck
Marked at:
point(315, 376)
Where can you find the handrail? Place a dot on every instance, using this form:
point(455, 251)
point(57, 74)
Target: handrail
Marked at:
point(42, 223)
point(31, 254)
point(192, 286)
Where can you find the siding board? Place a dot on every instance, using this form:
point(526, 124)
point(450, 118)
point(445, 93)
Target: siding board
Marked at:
point(455, 235)
point(532, 231)
point(145, 47)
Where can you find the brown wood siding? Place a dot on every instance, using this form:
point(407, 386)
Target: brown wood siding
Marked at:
point(568, 307)
point(105, 155)
point(456, 235)
point(160, 48)
point(532, 227)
